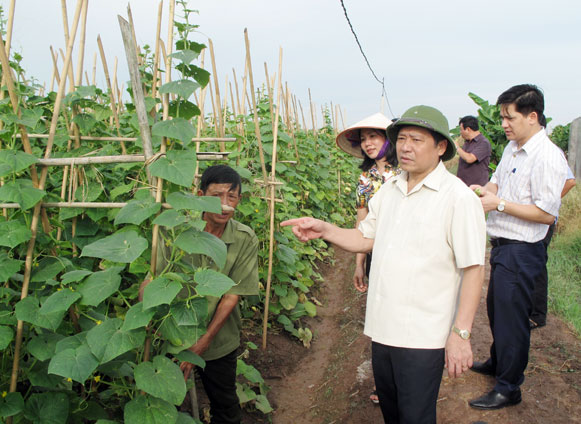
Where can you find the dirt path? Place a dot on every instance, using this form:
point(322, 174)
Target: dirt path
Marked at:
point(331, 381)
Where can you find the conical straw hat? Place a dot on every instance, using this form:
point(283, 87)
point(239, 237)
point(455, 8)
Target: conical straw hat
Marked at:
point(349, 139)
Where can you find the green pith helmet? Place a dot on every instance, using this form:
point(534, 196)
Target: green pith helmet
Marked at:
point(425, 117)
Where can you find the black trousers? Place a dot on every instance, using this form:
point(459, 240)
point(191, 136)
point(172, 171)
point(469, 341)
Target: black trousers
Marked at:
point(408, 382)
point(219, 380)
point(539, 313)
point(514, 269)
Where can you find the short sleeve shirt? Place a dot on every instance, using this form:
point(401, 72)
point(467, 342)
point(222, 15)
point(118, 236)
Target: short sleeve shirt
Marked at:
point(476, 172)
point(242, 267)
point(371, 181)
point(422, 241)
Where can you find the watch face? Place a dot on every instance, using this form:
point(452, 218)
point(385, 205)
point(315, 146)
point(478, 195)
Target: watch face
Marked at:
point(464, 334)
point(500, 207)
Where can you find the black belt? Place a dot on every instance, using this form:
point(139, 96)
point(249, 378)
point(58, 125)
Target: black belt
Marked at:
point(495, 242)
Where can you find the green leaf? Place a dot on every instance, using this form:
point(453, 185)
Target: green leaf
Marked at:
point(191, 357)
point(161, 378)
point(99, 286)
point(245, 394)
point(160, 291)
point(123, 246)
point(169, 219)
point(6, 336)
point(290, 300)
point(12, 233)
point(180, 337)
point(30, 117)
point(77, 364)
point(212, 283)
point(149, 410)
point(201, 242)
point(43, 347)
point(74, 276)
point(185, 56)
point(310, 308)
point(48, 269)
point(8, 266)
point(177, 167)
point(184, 418)
point(177, 128)
point(47, 408)
point(136, 317)
point(11, 405)
point(14, 161)
point(183, 109)
point(107, 340)
point(286, 254)
point(180, 200)
point(248, 371)
point(263, 405)
point(85, 122)
point(184, 88)
point(121, 189)
point(27, 310)
point(137, 211)
point(88, 193)
point(21, 192)
point(59, 301)
point(191, 312)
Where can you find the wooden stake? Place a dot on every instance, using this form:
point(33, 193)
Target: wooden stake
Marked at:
point(200, 121)
point(312, 113)
point(303, 117)
point(256, 124)
point(217, 88)
point(9, 26)
point(36, 213)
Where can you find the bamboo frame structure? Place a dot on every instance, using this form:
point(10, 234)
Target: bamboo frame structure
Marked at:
point(272, 200)
point(36, 213)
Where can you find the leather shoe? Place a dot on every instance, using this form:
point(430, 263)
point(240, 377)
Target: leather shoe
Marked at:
point(483, 368)
point(496, 400)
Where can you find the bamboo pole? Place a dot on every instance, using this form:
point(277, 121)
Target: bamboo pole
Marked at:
point(272, 200)
point(92, 138)
point(224, 110)
point(36, 213)
point(269, 92)
point(55, 67)
point(217, 88)
point(303, 118)
point(256, 124)
point(81, 58)
point(342, 117)
point(200, 122)
point(156, 53)
point(94, 75)
point(312, 113)
point(214, 113)
point(111, 90)
point(9, 26)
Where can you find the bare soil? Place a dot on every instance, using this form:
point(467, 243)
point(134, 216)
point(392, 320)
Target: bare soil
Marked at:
point(331, 381)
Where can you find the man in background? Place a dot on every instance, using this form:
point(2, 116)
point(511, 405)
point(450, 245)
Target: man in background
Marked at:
point(474, 154)
point(522, 200)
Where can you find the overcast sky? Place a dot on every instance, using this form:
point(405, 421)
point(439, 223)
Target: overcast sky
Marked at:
point(429, 52)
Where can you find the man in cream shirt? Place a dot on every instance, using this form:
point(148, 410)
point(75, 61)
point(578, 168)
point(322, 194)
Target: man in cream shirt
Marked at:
point(427, 231)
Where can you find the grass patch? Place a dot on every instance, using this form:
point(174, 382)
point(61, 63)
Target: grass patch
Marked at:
point(564, 263)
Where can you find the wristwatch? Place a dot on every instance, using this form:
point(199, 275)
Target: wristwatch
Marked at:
point(464, 334)
point(500, 207)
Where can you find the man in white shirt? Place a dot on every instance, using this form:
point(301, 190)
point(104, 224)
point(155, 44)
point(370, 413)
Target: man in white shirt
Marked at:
point(427, 231)
point(523, 198)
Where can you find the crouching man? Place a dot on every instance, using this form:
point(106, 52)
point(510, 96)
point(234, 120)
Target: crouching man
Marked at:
point(219, 344)
point(427, 231)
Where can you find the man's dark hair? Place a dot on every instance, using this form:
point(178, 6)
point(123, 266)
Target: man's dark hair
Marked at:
point(526, 98)
point(469, 122)
point(390, 155)
point(221, 174)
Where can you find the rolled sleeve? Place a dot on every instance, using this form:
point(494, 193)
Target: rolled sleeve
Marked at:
point(547, 181)
point(468, 231)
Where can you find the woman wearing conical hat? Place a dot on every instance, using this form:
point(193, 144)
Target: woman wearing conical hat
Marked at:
point(368, 140)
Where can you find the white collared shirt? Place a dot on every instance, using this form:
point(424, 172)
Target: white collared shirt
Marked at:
point(423, 239)
point(532, 175)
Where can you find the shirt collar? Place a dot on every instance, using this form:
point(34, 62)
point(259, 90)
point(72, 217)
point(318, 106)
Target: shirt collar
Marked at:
point(432, 181)
point(532, 144)
point(228, 236)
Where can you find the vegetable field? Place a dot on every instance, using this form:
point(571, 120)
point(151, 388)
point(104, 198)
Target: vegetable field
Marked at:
point(90, 184)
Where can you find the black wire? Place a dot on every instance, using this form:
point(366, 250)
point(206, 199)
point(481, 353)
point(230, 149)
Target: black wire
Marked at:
point(382, 81)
